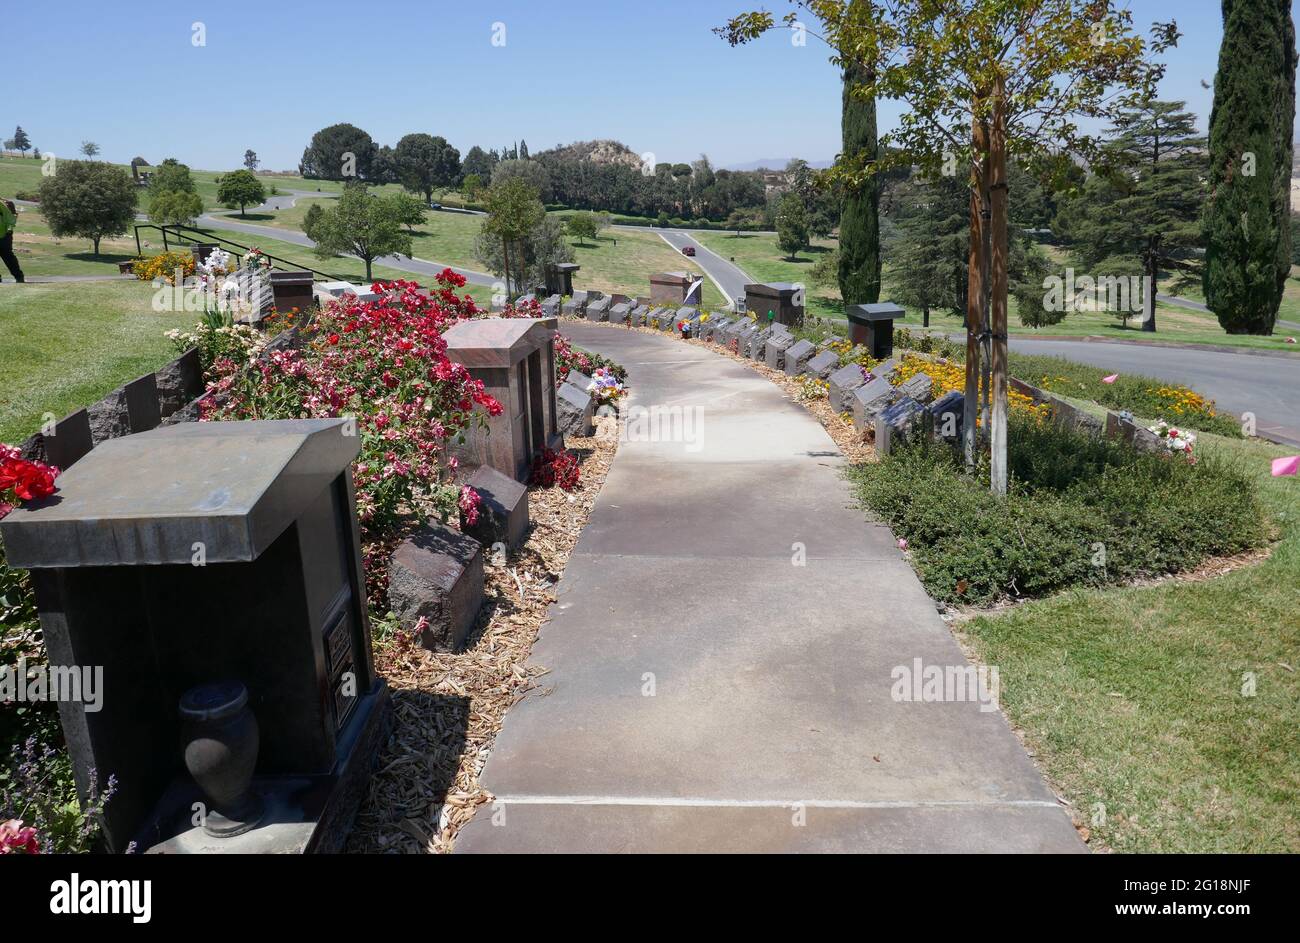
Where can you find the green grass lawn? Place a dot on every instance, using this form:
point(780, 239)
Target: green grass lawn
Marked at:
point(1132, 698)
point(617, 261)
point(64, 346)
point(25, 174)
point(758, 255)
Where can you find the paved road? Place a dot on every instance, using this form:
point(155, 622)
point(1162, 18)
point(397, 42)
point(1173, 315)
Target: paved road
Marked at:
point(1267, 386)
point(401, 263)
point(771, 696)
point(730, 278)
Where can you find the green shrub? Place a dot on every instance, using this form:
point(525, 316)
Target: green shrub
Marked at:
point(1081, 511)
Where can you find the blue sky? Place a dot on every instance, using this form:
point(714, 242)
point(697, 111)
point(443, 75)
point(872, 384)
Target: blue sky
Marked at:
point(650, 74)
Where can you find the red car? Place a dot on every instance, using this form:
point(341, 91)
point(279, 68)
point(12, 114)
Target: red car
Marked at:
point(688, 250)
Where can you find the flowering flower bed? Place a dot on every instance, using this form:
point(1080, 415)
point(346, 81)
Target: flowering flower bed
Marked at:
point(949, 376)
point(568, 357)
point(383, 363)
point(555, 469)
point(164, 266)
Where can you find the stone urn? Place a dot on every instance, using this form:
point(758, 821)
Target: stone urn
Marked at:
point(220, 739)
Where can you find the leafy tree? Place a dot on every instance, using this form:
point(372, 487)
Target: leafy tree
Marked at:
point(529, 171)
point(825, 272)
point(383, 166)
point(1247, 231)
point(929, 245)
point(546, 245)
point(1017, 76)
point(407, 210)
point(21, 142)
point(744, 219)
point(478, 161)
point(173, 198)
point(1146, 206)
point(1027, 289)
point(250, 160)
point(360, 224)
point(425, 162)
point(471, 185)
point(311, 219)
point(514, 211)
point(89, 148)
point(239, 188)
point(582, 226)
point(89, 200)
point(791, 225)
point(175, 207)
point(335, 150)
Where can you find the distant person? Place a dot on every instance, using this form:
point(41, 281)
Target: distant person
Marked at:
point(8, 221)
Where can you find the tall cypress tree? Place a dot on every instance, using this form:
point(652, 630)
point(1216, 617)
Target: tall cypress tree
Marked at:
point(860, 216)
point(1247, 219)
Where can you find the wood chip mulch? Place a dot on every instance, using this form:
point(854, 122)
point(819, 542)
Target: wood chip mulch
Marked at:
point(448, 708)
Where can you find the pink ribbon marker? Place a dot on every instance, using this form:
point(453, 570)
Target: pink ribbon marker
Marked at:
point(1110, 379)
point(1287, 465)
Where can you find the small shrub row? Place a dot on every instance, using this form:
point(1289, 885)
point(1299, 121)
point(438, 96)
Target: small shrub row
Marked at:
point(1081, 512)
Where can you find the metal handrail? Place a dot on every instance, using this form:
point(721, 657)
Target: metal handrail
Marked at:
point(176, 230)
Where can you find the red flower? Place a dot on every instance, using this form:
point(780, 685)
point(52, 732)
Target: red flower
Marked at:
point(334, 338)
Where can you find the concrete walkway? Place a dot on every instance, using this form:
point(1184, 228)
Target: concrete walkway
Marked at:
point(708, 695)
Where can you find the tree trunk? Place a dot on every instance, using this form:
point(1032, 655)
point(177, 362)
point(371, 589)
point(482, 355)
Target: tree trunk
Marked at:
point(974, 291)
point(96, 241)
point(369, 278)
point(925, 316)
point(998, 290)
point(505, 257)
point(1149, 297)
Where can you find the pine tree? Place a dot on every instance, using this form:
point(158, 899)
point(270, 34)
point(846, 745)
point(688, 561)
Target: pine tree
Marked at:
point(1145, 206)
point(860, 214)
point(1247, 230)
point(22, 143)
point(928, 248)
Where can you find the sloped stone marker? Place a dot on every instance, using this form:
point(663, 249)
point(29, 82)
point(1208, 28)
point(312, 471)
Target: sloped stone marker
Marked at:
point(574, 410)
point(598, 310)
point(777, 345)
point(771, 711)
point(824, 363)
point(437, 574)
point(869, 400)
point(842, 383)
point(618, 313)
point(797, 356)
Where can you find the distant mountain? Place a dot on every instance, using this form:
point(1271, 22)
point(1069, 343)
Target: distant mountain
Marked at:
point(775, 163)
point(599, 152)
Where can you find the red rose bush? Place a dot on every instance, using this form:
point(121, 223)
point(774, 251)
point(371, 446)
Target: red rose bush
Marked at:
point(382, 364)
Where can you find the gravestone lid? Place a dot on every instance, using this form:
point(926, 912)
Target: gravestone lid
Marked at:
point(147, 498)
point(497, 342)
point(879, 311)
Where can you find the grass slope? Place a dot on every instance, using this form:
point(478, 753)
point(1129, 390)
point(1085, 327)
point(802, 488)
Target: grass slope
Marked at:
point(64, 346)
point(1132, 699)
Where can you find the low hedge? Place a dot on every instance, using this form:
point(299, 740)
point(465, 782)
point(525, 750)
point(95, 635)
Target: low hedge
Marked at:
point(1080, 511)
